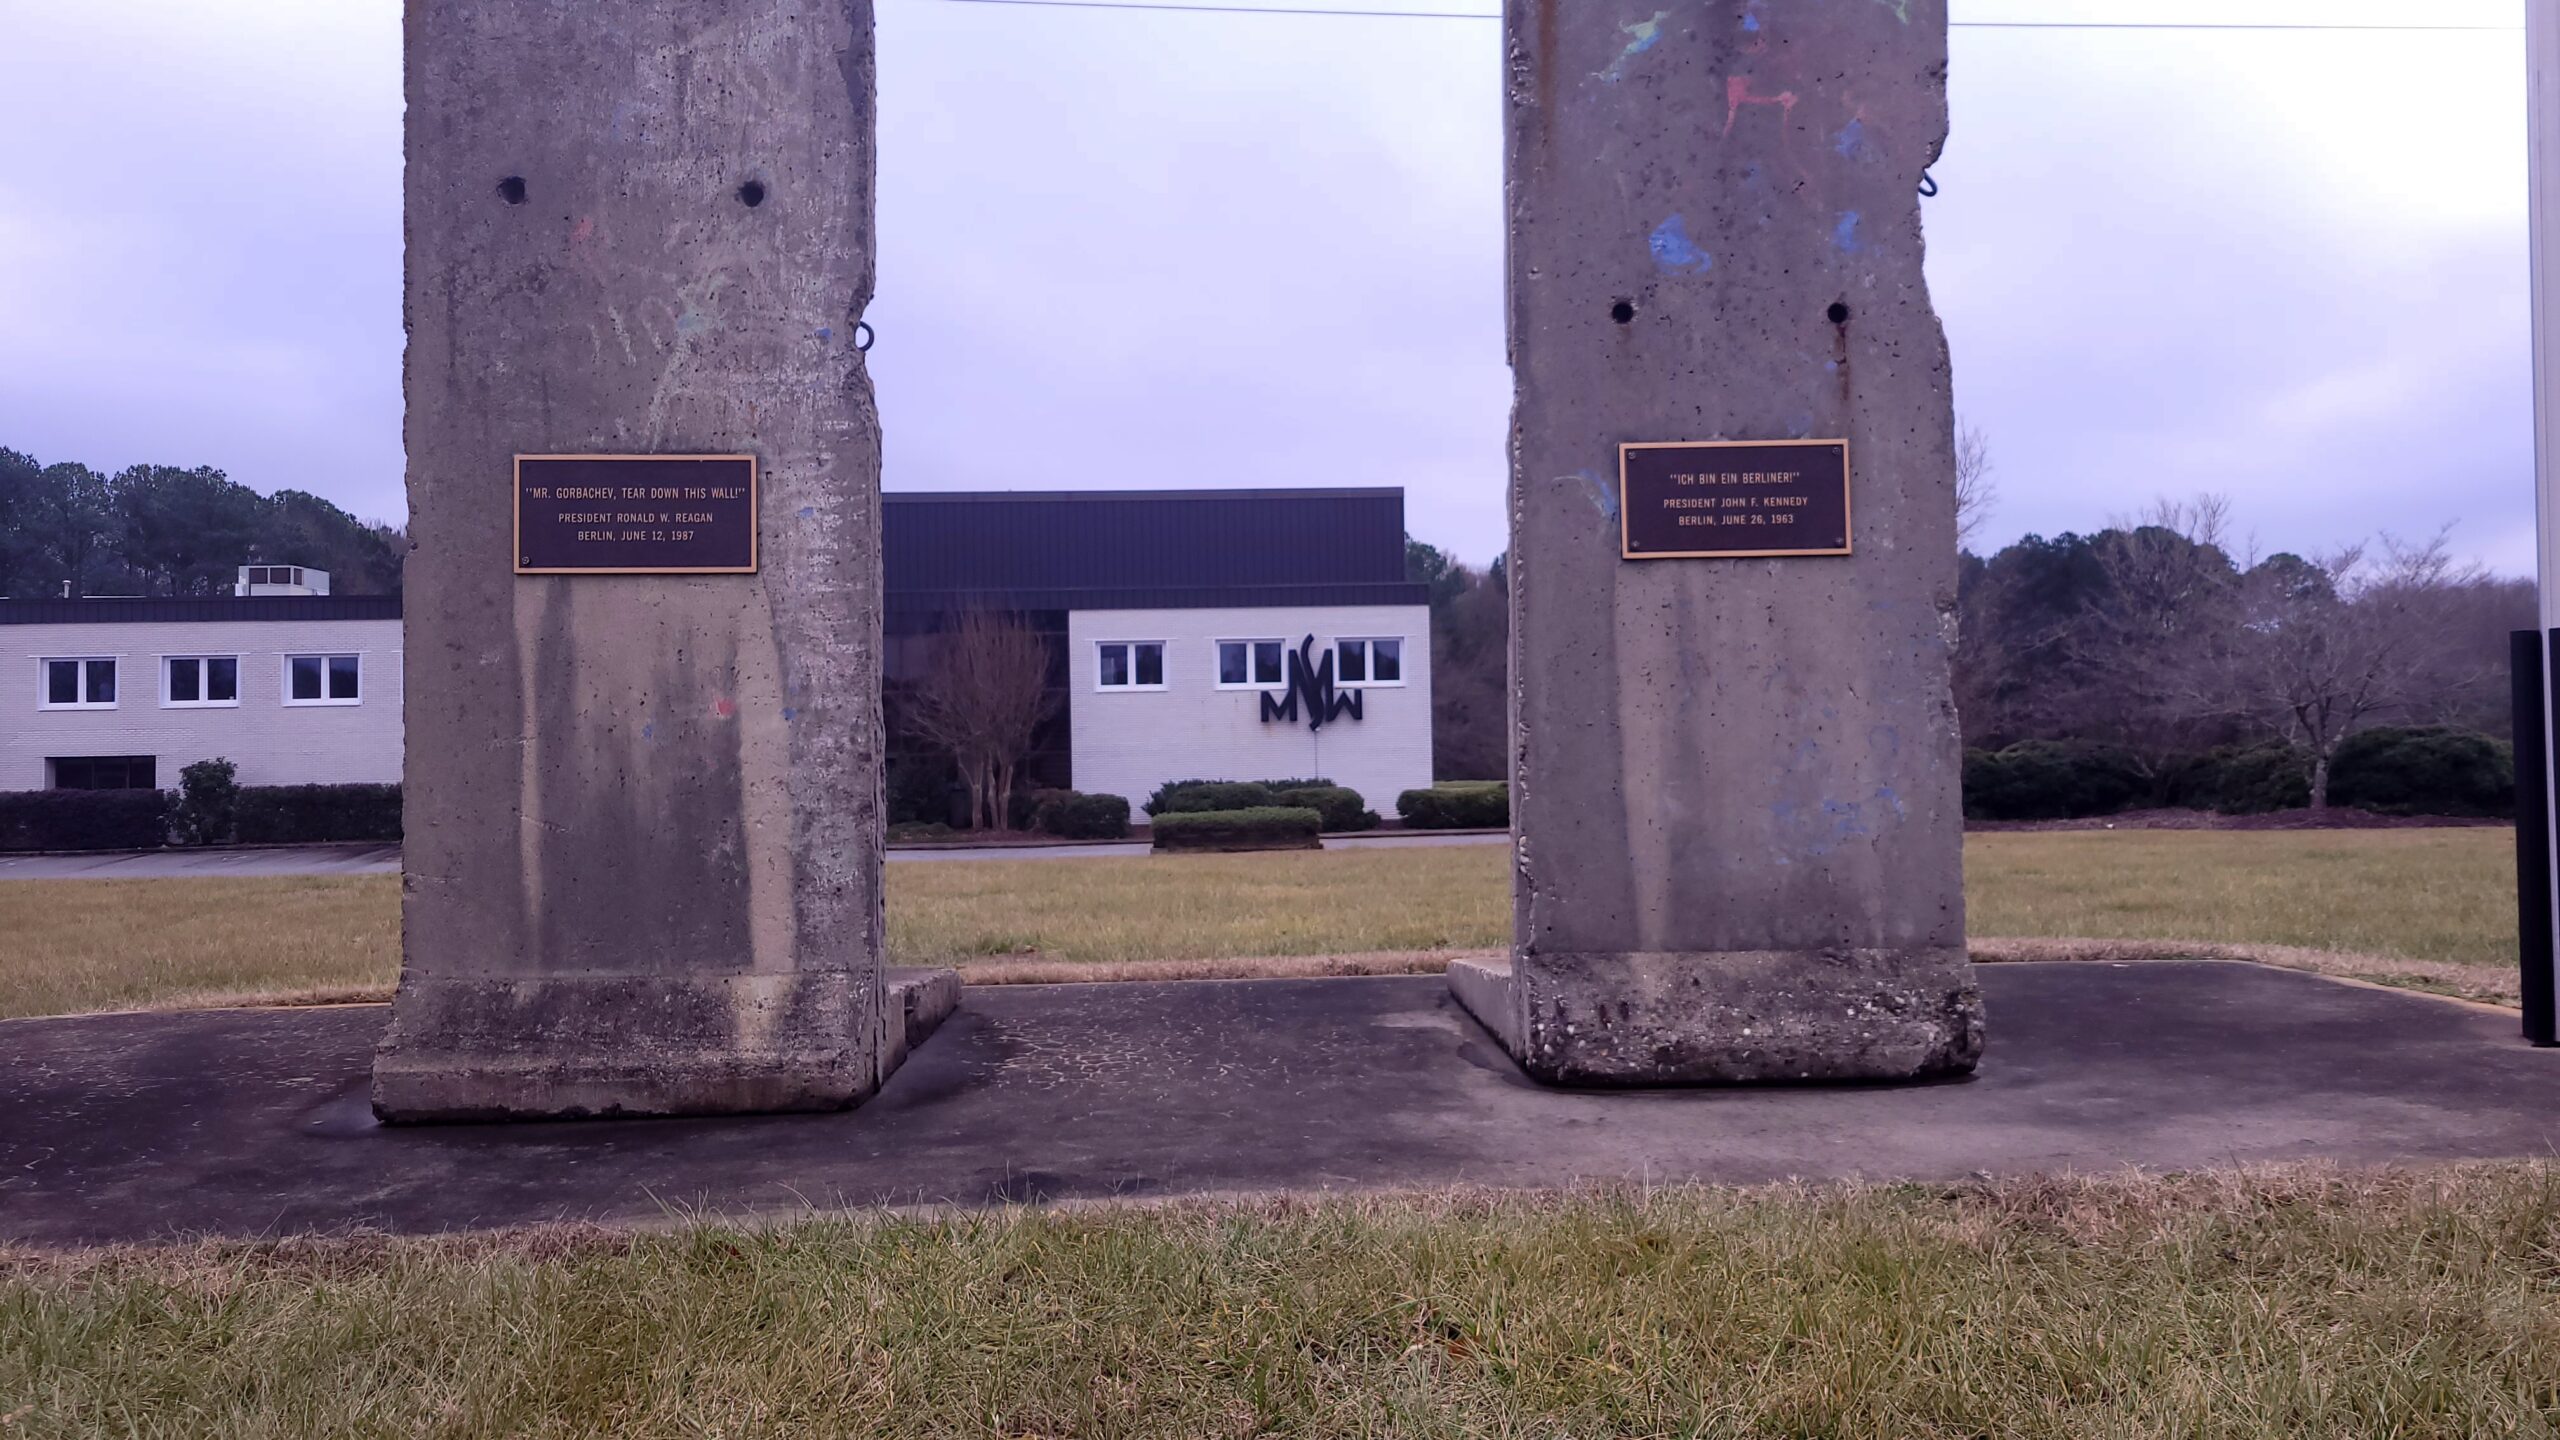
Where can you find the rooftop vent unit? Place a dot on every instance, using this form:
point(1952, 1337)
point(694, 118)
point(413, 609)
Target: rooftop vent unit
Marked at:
point(281, 580)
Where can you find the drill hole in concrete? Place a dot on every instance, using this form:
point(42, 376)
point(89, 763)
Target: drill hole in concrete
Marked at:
point(751, 194)
point(1839, 313)
point(511, 189)
point(1623, 312)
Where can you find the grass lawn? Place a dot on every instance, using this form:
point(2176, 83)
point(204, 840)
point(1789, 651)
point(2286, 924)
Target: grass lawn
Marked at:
point(2288, 1303)
point(2440, 900)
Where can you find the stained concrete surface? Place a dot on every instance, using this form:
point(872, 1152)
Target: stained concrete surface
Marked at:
point(135, 1127)
point(1741, 841)
point(642, 812)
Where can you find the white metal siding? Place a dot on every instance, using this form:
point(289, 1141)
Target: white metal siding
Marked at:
point(272, 743)
point(1129, 742)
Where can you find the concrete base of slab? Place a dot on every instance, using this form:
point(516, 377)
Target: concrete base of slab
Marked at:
point(1742, 1017)
point(463, 1049)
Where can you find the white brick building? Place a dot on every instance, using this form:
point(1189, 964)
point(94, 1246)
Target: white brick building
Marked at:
point(1182, 624)
point(1208, 718)
point(1192, 634)
point(110, 694)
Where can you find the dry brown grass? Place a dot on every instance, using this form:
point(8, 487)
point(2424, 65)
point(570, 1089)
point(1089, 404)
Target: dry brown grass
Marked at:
point(68, 946)
point(2291, 1302)
point(2479, 983)
point(2431, 909)
point(1037, 971)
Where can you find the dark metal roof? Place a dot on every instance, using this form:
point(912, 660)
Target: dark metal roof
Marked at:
point(1016, 550)
point(1144, 549)
point(166, 610)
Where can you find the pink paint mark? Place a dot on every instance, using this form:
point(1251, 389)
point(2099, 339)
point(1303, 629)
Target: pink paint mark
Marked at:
point(582, 232)
point(1738, 93)
point(724, 707)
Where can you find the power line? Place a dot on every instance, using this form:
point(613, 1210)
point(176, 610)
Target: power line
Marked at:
point(1170, 5)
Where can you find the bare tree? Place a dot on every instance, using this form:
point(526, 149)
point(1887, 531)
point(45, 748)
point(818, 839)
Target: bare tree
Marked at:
point(981, 701)
point(1975, 491)
point(2328, 644)
point(2155, 648)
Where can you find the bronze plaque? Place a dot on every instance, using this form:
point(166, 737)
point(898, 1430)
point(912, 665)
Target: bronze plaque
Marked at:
point(635, 514)
point(1730, 499)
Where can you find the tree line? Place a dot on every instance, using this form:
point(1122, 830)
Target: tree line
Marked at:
point(66, 529)
point(2160, 641)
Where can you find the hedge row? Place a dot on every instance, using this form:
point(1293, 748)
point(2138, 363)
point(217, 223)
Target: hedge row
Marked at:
point(1263, 827)
point(316, 814)
point(83, 819)
point(1457, 805)
point(2403, 770)
point(1074, 815)
point(149, 819)
point(1341, 808)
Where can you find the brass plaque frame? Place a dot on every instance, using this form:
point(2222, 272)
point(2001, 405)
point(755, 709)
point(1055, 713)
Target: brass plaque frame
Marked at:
point(755, 513)
point(1627, 549)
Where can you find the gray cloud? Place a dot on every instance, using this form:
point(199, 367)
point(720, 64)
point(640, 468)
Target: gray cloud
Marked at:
point(1153, 250)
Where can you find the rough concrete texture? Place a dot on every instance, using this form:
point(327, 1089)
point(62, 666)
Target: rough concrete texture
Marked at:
point(644, 812)
point(1737, 845)
point(253, 1122)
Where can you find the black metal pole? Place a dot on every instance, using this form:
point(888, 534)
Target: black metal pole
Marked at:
point(2532, 699)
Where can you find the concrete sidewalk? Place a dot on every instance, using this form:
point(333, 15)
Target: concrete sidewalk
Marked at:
point(244, 1122)
point(206, 864)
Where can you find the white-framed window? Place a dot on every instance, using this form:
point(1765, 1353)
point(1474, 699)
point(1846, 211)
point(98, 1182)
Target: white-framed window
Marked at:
point(1374, 660)
point(1128, 665)
point(199, 682)
point(76, 682)
point(1251, 664)
point(324, 679)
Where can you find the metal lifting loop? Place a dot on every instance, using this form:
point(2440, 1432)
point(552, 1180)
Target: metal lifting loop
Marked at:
point(1928, 185)
point(862, 336)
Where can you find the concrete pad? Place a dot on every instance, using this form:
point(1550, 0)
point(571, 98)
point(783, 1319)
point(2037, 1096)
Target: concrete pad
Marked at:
point(131, 1127)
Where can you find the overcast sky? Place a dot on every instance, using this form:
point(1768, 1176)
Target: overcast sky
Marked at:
point(1123, 249)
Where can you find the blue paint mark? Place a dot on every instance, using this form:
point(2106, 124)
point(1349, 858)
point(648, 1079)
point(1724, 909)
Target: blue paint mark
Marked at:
point(808, 512)
point(1647, 33)
point(1603, 499)
point(1674, 252)
point(649, 731)
point(1848, 821)
point(1845, 234)
point(1800, 427)
point(689, 322)
point(789, 714)
point(1751, 21)
point(1852, 138)
point(1892, 801)
point(1831, 365)
point(825, 332)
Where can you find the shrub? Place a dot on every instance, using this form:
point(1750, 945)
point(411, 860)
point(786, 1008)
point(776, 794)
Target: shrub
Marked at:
point(2424, 770)
point(2243, 780)
point(1074, 815)
point(2051, 780)
point(919, 790)
point(1457, 805)
point(1342, 809)
point(83, 819)
point(1264, 827)
point(1178, 797)
point(908, 832)
point(318, 814)
point(208, 808)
